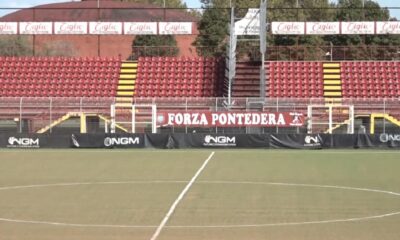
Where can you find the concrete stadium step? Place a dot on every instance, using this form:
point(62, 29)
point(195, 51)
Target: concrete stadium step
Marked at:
point(332, 83)
point(127, 81)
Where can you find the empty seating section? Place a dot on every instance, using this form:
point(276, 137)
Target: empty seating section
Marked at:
point(178, 77)
point(370, 79)
point(189, 77)
point(295, 79)
point(58, 76)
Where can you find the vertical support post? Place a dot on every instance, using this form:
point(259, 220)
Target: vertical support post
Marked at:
point(81, 104)
point(154, 118)
point(133, 118)
point(83, 122)
point(309, 119)
point(231, 55)
point(216, 109)
point(372, 124)
point(112, 124)
point(20, 115)
point(105, 126)
point(263, 46)
point(34, 35)
point(51, 114)
point(186, 108)
point(351, 117)
point(330, 119)
point(384, 115)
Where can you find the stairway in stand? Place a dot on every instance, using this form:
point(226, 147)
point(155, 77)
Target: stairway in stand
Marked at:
point(332, 83)
point(247, 80)
point(126, 84)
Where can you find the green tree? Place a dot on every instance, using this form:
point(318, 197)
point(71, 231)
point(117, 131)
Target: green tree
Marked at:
point(363, 46)
point(154, 45)
point(58, 48)
point(15, 46)
point(149, 45)
point(214, 24)
point(168, 3)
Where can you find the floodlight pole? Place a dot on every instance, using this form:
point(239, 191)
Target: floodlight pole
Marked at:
point(231, 56)
point(263, 46)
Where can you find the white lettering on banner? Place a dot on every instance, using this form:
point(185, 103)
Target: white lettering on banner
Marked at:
point(322, 28)
point(140, 28)
point(8, 27)
point(14, 142)
point(288, 28)
point(223, 119)
point(70, 28)
point(35, 27)
point(175, 28)
point(250, 24)
point(358, 27)
point(387, 27)
point(384, 137)
point(312, 141)
point(105, 28)
point(121, 141)
point(219, 141)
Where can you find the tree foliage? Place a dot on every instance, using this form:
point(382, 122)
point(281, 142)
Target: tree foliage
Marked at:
point(154, 45)
point(149, 45)
point(213, 26)
point(168, 3)
point(15, 46)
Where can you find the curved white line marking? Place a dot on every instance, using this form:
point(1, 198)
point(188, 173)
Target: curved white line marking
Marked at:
point(203, 226)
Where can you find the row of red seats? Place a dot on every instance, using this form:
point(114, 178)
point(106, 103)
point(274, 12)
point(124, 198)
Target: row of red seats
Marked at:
point(177, 64)
point(369, 64)
point(173, 81)
point(61, 82)
point(370, 75)
point(166, 76)
point(296, 75)
point(88, 75)
point(171, 75)
point(370, 86)
point(58, 76)
point(297, 86)
point(56, 93)
point(292, 93)
point(59, 69)
point(176, 59)
point(294, 70)
point(176, 70)
point(301, 64)
point(59, 64)
point(59, 59)
point(170, 93)
point(170, 87)
point(19, 86)
point(371, 70)
point(372, 79)
point(358, 93)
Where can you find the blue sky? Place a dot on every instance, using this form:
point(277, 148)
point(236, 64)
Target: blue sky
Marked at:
point(190, 3)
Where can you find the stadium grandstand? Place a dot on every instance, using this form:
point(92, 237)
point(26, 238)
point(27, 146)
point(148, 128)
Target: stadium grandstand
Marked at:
point(104, 58)
point(154, 120)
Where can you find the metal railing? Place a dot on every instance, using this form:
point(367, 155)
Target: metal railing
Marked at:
point(54, 115)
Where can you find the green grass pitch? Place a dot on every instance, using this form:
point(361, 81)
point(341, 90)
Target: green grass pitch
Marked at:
point(240, 194)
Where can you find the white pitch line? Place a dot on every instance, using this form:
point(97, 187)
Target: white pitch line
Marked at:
point(355, 219)
point(180, 197)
